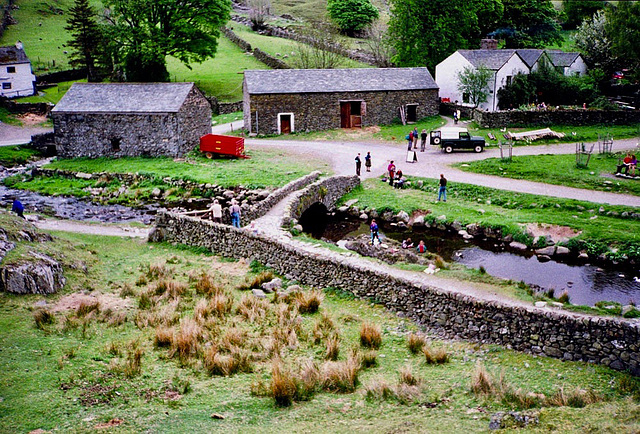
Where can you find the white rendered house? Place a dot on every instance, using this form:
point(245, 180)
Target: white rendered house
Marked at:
point(504, 64)
point(16, 78)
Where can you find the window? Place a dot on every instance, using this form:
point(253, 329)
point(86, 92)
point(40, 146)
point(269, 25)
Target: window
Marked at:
point(11, 69)
point(6, 85)
point(509, 78)
point(465, 97)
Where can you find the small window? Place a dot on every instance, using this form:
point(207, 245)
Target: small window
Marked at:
point(464, 136)
point(509, 78)
point(11, 69)
point(465, 97)
point(115, 144)
point(6, 85)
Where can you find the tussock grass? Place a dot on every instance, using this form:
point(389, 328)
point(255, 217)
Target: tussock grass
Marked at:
point(253, 309)
point(156, 271)
point(368, 359)
point(283, 386)
point(370, 336)
point(163, 337)
point(407, 377)
point(256, 281)
point(226, 365)
point(86, 307)
point(307, 302)
point(341, 376)
point(576, 398)
point(564, 297)
point(205, 285)
point(333, 348)
point(147, 300)
point(127, 291)
point(186, 340)
point(435, 356)
point(380, 390)
point(43, 318)
point(415, 343)
point(323, 328)
point(170, 288)
point(233, 337)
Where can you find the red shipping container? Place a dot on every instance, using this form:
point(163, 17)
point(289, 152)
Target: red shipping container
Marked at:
point(214, 144)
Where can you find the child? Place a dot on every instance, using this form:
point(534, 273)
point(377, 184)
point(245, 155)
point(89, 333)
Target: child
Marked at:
point(421, 247)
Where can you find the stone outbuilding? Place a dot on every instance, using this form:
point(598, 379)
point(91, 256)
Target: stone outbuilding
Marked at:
point(287, 100)
point(130, 119)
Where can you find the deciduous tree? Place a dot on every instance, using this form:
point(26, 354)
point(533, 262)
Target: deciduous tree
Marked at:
point(623, 28)
point(352, 15)
point(149, 30)
point(576, 11)
point(592, 40)
point(475, 83)
point(528, 24)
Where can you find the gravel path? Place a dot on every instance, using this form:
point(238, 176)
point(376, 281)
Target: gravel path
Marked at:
point(94, 229)
point(432, 162)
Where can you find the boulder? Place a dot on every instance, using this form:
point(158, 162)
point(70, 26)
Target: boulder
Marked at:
point(83, 175)
point(273, 284)
point(259, 293)
point(351, 202)
point(156, 192)
point(402, 216)
point(517, 246)
point(41, 275)
point(562, 251)
point(544, 258)
point(364, 216)
point(474, 229)
point(548, 251)
point(456, 225)
point(540, 304)
point(418, 222)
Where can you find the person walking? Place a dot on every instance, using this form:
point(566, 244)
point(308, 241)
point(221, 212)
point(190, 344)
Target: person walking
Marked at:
point(216, 211)
point(415, 137)
point(358, 164)
point(367, 161)
point(391, 168)
point(18, 208)
point(423, 140)
point(235, 211)
point(374, 231)
point(442, 191)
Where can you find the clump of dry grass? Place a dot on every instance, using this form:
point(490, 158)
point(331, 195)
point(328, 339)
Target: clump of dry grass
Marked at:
point(172, 288)
point(283, 386)
point(86, 307)
point(233, 337)
point(156, 271)
point(253, 309)
point(307, 302)
point(407, 391)
point(435, 356)
point(483, 383)
point(163, 337)
point(221, 305)
point(147, 300)
point(576, 398)
point(286, 386)
point(133, 364)
point(407, 377)
point(415, 343)
point(379, 389)
point(564, 297)
point(341, 376)
point(186, 340)
point(323, 328)
point(205, 285)
point(115, 319)
point(368, 359)
point(43, 318)
point(370, 336)
point(127, 291)
point(226, 365)
point(256, 281)
point(333, 347)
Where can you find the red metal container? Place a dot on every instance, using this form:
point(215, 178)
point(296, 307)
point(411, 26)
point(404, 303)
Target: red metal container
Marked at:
point(214, 144)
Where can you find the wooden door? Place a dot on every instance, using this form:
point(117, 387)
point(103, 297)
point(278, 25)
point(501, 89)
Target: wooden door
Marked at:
point(285, 124)
point(345, 115)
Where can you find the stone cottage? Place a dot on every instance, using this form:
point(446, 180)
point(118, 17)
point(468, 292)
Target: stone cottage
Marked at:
point(16, 77)
point(287, 100)
point(130, 119)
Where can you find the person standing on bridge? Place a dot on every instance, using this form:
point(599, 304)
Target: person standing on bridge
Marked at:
point(358, 164)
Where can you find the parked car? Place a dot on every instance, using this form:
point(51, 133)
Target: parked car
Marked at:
point(450, 138)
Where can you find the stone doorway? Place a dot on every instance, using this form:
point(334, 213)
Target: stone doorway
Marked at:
point(350, 114)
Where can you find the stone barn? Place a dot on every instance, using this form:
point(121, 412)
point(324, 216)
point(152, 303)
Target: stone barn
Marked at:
point(130, 119)
point(287, 100)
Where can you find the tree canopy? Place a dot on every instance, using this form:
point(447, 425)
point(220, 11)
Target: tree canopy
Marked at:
point(528, 24)
point(352, 15)
point(576, 11)
point(147, 31)
point(85, 39)
point(623, 29)
point(475, 83)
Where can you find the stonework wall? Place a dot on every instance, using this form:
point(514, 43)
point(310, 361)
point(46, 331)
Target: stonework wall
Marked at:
point(321, 111)
point(129, 135)
point(556, 117)
point(569, 336)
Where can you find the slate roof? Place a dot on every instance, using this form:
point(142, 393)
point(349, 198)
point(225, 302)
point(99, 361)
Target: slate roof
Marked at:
point(530, 55)
point(124, 98)
point(337, 80)
point(12, 55)
point(490, 59)
point(560, 58)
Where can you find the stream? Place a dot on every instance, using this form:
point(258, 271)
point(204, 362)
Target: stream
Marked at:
point(586, 284)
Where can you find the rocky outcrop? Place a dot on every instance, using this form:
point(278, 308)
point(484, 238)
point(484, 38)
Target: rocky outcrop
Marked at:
point(41, 275)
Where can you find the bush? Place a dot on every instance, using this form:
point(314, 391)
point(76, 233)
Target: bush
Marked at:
point(352, 15)
point(415, 343)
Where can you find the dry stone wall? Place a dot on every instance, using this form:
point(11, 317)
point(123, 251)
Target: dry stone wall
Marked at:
point(569, 336)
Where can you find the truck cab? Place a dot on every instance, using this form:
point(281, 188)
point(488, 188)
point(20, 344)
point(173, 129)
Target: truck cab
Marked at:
point(450, 138)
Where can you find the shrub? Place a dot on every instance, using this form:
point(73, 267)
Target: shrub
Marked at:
point(43, 318)
point(352, 15)
point(415, 343)
point(370, 336)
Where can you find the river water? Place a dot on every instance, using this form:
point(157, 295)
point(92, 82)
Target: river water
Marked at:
point(586, 284)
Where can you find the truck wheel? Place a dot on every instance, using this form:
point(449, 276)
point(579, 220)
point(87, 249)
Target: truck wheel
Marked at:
point(209, 155)
point(478, 148)
point(436, 141)
point(448, 149)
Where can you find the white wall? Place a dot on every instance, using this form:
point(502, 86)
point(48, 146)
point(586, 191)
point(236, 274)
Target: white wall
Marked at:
point(577, 67)
point(21, 81)
point(511, 68)
point(447, 76)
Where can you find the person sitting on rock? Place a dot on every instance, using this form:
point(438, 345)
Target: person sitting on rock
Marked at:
point(399, 181)
point(422, 248)
point(407, 244)
point(18, 208)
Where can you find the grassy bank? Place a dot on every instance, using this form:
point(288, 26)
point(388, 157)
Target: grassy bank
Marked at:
point(105, 366)
point(265, 169)
point(559, 170)
point(16, 155)
point(509, 211)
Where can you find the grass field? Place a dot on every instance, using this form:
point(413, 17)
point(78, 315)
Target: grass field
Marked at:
point(263, 169)
point(15, 155)
point(559, 170)
point(507, 210)
point(106, 367)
